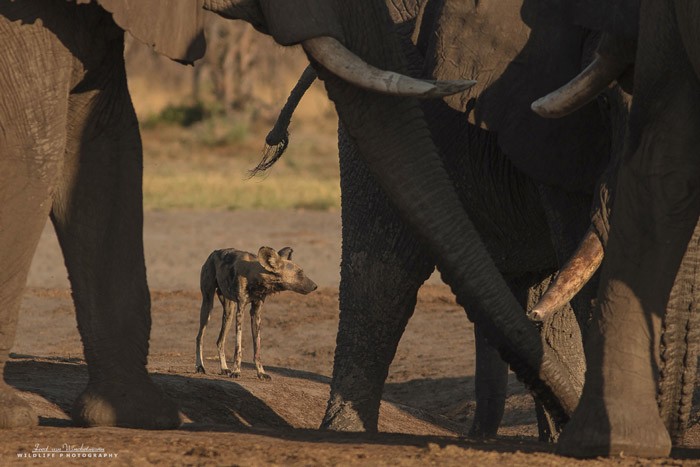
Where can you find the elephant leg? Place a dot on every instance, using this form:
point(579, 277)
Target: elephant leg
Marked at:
point(490, 387)
point(560, 333)
point(491, 377)
point(97, 213)
point(382, 268)
point(32, 143)
point(24, 201)
point(618, 410)
point(657, 205)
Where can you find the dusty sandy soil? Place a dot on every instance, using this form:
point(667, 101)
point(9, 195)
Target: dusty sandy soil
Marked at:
point(428, 398)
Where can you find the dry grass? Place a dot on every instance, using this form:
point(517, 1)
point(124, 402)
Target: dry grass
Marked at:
point(205, 166)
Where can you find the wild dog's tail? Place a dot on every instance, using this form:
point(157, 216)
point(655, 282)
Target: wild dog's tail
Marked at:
point(207, 284)
point(207, 276)
point(278, 138)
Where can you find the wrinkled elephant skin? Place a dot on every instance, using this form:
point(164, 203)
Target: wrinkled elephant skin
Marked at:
point(70, 150)
point(648, 293)
point(528, 194)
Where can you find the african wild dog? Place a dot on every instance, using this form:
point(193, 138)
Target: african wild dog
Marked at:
point(242, 278)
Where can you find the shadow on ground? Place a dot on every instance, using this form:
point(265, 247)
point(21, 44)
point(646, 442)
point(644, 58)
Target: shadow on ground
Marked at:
point(288, 408)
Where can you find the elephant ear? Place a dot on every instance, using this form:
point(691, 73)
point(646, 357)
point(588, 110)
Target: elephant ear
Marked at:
point(617, 17)
point(172, 27)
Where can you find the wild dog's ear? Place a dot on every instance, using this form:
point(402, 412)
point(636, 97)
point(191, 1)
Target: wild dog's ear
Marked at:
point(286, 253)
point(269, 258)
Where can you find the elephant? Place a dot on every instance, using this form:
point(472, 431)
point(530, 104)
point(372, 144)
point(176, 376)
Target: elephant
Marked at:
point(642, 352)
point(70, 150)
point(527, 186)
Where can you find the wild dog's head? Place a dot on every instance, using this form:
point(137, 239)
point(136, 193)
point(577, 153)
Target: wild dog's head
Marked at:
point(290, 275)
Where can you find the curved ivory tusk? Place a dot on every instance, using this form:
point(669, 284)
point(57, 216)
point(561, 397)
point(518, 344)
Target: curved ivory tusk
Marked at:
point(572, 277)
point(581, 90)
point(343, 63)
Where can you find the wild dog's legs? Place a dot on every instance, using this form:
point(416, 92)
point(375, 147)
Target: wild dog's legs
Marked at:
point(255, 318)
point(204, 314)
point(238, 353)
point(226, 321)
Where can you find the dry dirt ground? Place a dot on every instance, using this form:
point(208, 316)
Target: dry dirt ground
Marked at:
point(428, 398)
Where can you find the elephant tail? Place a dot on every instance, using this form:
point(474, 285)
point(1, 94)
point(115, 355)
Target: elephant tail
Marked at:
point(277, 139)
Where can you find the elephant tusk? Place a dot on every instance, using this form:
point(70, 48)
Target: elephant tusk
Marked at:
point(340, 61)
point(581, 90)
point(572, 277)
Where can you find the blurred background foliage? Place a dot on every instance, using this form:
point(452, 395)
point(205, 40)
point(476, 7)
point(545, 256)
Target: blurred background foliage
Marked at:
point(204, 126)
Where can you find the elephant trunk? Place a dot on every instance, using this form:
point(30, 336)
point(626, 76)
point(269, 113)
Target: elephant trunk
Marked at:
point(401, 156)
point(394, 140)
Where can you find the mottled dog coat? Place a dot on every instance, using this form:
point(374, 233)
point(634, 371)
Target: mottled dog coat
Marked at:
point(240, 278)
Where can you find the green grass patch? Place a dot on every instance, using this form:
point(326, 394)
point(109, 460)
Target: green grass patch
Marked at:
point(183, 115)
point(222, 132)
point(206, 166)
point(203, 190)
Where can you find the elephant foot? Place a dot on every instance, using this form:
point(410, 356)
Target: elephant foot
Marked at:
point(623, 427)
point(480, 431)
point(127, 404)
point(15, 412)
point(344, 417)
point(488, 414)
